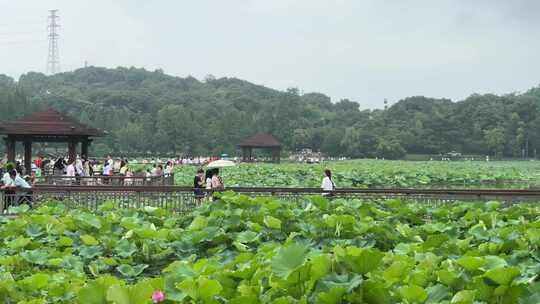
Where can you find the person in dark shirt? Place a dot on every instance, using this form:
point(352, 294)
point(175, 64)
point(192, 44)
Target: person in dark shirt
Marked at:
point(198, 186)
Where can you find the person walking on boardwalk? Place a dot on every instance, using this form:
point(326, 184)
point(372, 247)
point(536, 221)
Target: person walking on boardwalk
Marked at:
point(199, 185)
point(208, 182)
point(217, 181)
point(70, 172)
point(328, 184)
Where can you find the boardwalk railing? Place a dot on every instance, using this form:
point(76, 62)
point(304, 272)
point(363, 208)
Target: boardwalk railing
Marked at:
point(100, 180)
point(181, 199)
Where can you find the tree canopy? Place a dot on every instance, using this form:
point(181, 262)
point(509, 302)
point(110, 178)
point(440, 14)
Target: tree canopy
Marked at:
point(146, 111)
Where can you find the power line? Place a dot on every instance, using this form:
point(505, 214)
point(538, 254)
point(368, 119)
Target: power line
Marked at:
point(53, 58)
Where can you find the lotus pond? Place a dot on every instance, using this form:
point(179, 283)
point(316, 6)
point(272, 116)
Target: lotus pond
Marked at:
point(381, 173)
point(262, 250)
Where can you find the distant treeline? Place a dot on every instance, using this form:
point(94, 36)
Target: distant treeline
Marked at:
point(147, 111)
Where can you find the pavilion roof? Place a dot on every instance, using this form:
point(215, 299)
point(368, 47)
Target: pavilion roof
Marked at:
point(48, 123)
point(261, 140)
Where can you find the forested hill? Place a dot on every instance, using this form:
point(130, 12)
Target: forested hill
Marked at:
point(152, 111)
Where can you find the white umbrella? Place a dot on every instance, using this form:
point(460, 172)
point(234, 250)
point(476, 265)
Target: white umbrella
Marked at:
point(220, 163)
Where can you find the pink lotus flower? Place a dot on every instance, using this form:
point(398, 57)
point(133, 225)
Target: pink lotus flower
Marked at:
point(158, 296)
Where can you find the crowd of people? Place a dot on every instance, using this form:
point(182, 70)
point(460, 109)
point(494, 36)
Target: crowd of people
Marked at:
point(205, 182)
point(106, 171)
point(83, 171)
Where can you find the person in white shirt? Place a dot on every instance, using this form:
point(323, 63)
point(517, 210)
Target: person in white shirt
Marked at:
point(327, 183)
point(6, 179)
point(79, 168)
point(20, 182)
point(106, 169)
point(169, 168)
point(70, 170)
point(208, 180)
point(17, 197)
point(70, 173)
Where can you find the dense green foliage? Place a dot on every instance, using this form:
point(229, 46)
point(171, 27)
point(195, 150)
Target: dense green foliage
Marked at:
point(150, 111)
point(379, 173)
point(262, 250)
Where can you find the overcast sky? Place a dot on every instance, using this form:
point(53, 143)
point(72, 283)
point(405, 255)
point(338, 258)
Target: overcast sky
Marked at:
point(364, 50)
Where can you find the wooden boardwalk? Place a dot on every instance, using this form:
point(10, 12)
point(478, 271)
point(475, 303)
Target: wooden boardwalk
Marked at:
point(181, 199)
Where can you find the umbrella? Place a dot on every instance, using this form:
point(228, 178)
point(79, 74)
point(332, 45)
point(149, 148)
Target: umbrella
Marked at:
point(221, 163)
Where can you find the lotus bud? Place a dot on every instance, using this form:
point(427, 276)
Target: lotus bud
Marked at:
point(158, 296)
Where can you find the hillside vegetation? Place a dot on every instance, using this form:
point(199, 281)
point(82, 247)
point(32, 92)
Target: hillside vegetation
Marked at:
point(151, 111)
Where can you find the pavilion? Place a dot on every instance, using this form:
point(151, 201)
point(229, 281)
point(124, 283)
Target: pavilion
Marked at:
point(47, 126)
point(260, 141)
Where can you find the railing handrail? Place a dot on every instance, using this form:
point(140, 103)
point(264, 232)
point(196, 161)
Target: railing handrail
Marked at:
point(411, 191)
point(182, 198)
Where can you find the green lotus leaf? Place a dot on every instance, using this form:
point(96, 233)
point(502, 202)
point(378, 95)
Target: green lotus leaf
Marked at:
point(37, 281)
point(131, 271)
point(34, 231)
point(471, 263)
point(413, 294)
point(18, 243)
point(208, 289)
point(90, 252)
point(333, 296)
point(247, 236)
point(56, 262)
point(435, 241)
point(90, 220)
point(95, 292)
point(397, 270)
point(198, 223)
point(376, 292)
point(65, 242)
point(39, 257)
point(146, 233)
point(125, 248)
point(503, 275)
point(493, 262)
point(438, 293)
point(348, 282)
point(89, 240)
point(320, 266)
point(448, 277)
point(74, 263)
point(19, 209)
point(463, 297)
point(363, 260)
point(272, 222)
point(288, 259)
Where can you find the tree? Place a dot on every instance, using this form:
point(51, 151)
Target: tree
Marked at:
point(389, 148)
point(494, 139)
point(176, 125)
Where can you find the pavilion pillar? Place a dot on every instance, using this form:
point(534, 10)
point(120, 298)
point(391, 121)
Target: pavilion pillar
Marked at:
point(276, 155)
point(250, 150)
point(244, 154)
point(28, 157)
point(10, 149)
point(85, 144)
point(72, 151)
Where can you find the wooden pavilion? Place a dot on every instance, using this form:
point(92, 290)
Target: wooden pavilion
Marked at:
point(46, 126)
point(260, 141)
